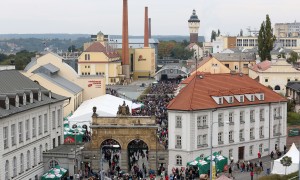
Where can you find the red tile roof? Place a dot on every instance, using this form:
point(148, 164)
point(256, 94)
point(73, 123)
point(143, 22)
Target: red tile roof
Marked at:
point(262, 66)
point(98, 47)
point(197, 95)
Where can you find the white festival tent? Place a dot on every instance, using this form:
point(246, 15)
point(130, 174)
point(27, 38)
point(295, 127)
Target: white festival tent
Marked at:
point(107, 106)
point(278, 168)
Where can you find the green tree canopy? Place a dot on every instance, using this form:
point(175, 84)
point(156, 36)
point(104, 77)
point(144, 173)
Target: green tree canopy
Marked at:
point(20, 59)
point(213, 35)
point(174, 49)
point(286, 161)
point(293, 57)
point(266, 39)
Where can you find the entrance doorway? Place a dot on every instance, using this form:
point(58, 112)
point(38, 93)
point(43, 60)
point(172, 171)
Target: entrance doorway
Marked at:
point(241, 152)
point(110, 154)
point(138, 157)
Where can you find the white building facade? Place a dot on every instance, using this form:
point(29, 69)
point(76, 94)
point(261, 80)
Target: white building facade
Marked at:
point(31, 123)
point(239, 132)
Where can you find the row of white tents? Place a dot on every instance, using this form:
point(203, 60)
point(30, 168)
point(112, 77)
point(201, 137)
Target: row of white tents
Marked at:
point(278, 168)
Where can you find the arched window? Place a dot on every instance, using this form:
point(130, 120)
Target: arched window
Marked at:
point(277, 87)
point(41, 153)
point(28, 160)
point(53, 163)
point(178, 160)
point(22, 163)
point(7, 177)
point(15, 167)
point(34, 156)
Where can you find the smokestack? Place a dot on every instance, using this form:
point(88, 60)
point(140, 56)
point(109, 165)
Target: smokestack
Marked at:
point(150, 36)
point(125, 49)
point(146, 33)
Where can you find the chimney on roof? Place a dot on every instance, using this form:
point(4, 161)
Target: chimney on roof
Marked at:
point(146, 29)
point(125, 49)
point(150, 35)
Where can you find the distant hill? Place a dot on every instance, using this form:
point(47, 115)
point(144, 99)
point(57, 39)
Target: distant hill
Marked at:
point(76, 36)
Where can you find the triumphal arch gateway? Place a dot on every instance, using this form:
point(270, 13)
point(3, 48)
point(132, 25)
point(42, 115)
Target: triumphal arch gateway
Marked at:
point(126, 142)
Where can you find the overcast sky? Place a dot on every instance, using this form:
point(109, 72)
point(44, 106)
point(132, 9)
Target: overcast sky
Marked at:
point(169, 17)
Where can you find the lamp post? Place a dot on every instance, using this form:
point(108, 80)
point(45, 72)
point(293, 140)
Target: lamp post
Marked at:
point(75, 159)
point(211, 141)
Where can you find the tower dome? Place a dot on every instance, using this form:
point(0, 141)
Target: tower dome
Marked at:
point(194, 17)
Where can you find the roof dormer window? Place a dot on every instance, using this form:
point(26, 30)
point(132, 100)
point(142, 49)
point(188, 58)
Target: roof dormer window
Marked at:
point(241, 99)
point(220, 100)
point(7, 103)
point(50, 94)
point(261, 97)
point(230, 100)
point(39, 95)
point(17, 101)
point(251, 97)
point(31, 97)
point(24, 99)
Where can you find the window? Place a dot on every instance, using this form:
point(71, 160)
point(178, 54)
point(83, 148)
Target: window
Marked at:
point(33, 127)
point(251, 97)
point(53, 120)
point(41, 153)
point(7, 176)
point(204, 121)
point(266, 80)
point(230, 153)
point(45, 123)
point(220, 138)
point(5, 137)
point(27, 129)
point(227, 65)
point(220, 119)
point(199, 138)
point(252, 115)
point(230, 136)
point(277, 88)
point(204, 139)
point(58, 118)
point(251, 133)
point(220, 100)
point(34, 157)
point(40, 125)
point(274, 129)
point(28, 160)
point(178, 160)
point(242, 117)
point(241, 99)
point(20, 129)
point(22, 162)
point(261, 97)
point(230, 117)
point(241, 135)
point(53, 163)
point(230, 100)
point(262, 114)
point(46, 147)
point(178, 122)
point(199, 122)
point(178, 142)
point(251, 150)
point(260, 148)
point(15, 167)
point(13, 134)
point(245, 65)
point(261, 132)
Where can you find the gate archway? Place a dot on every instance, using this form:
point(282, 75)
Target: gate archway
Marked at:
point(138, 160)
point(110, 153)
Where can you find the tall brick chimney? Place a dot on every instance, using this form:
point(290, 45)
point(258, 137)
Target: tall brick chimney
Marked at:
point(125, 48)
point(146, 29)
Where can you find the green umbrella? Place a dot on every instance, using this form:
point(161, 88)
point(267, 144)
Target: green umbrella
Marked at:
point(55, 173)
point(220, 160)
point(203, 165)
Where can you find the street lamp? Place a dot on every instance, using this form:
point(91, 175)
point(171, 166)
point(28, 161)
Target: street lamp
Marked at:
point(75, 159)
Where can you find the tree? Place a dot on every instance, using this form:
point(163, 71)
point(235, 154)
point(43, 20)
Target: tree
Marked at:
point(266, 39)
point(293, 57)
point(219, 32)
point(72, 48)
point(286, 161)
point(241, 32)
point(213, 35)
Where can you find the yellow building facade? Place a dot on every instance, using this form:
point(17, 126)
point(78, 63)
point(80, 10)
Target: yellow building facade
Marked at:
point(100, 59)
point(211, 65)
point(144, 63)
point(52, 73)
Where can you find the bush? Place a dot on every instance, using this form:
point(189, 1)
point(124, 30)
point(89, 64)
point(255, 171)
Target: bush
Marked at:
point(293, 118)
point(278, 177)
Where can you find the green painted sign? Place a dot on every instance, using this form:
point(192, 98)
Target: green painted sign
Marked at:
point(294, 132)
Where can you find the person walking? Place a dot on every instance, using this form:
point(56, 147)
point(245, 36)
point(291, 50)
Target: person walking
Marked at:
point(272, 155)
point(230, 171)
point(258, 155)
point(261, 165)
point(251, 175)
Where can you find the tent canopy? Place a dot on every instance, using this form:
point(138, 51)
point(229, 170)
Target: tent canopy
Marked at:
point(278, 168)
point(55, 173)
point(107, 105)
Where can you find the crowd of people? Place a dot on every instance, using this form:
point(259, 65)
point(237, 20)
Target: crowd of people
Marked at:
point(155, 104)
